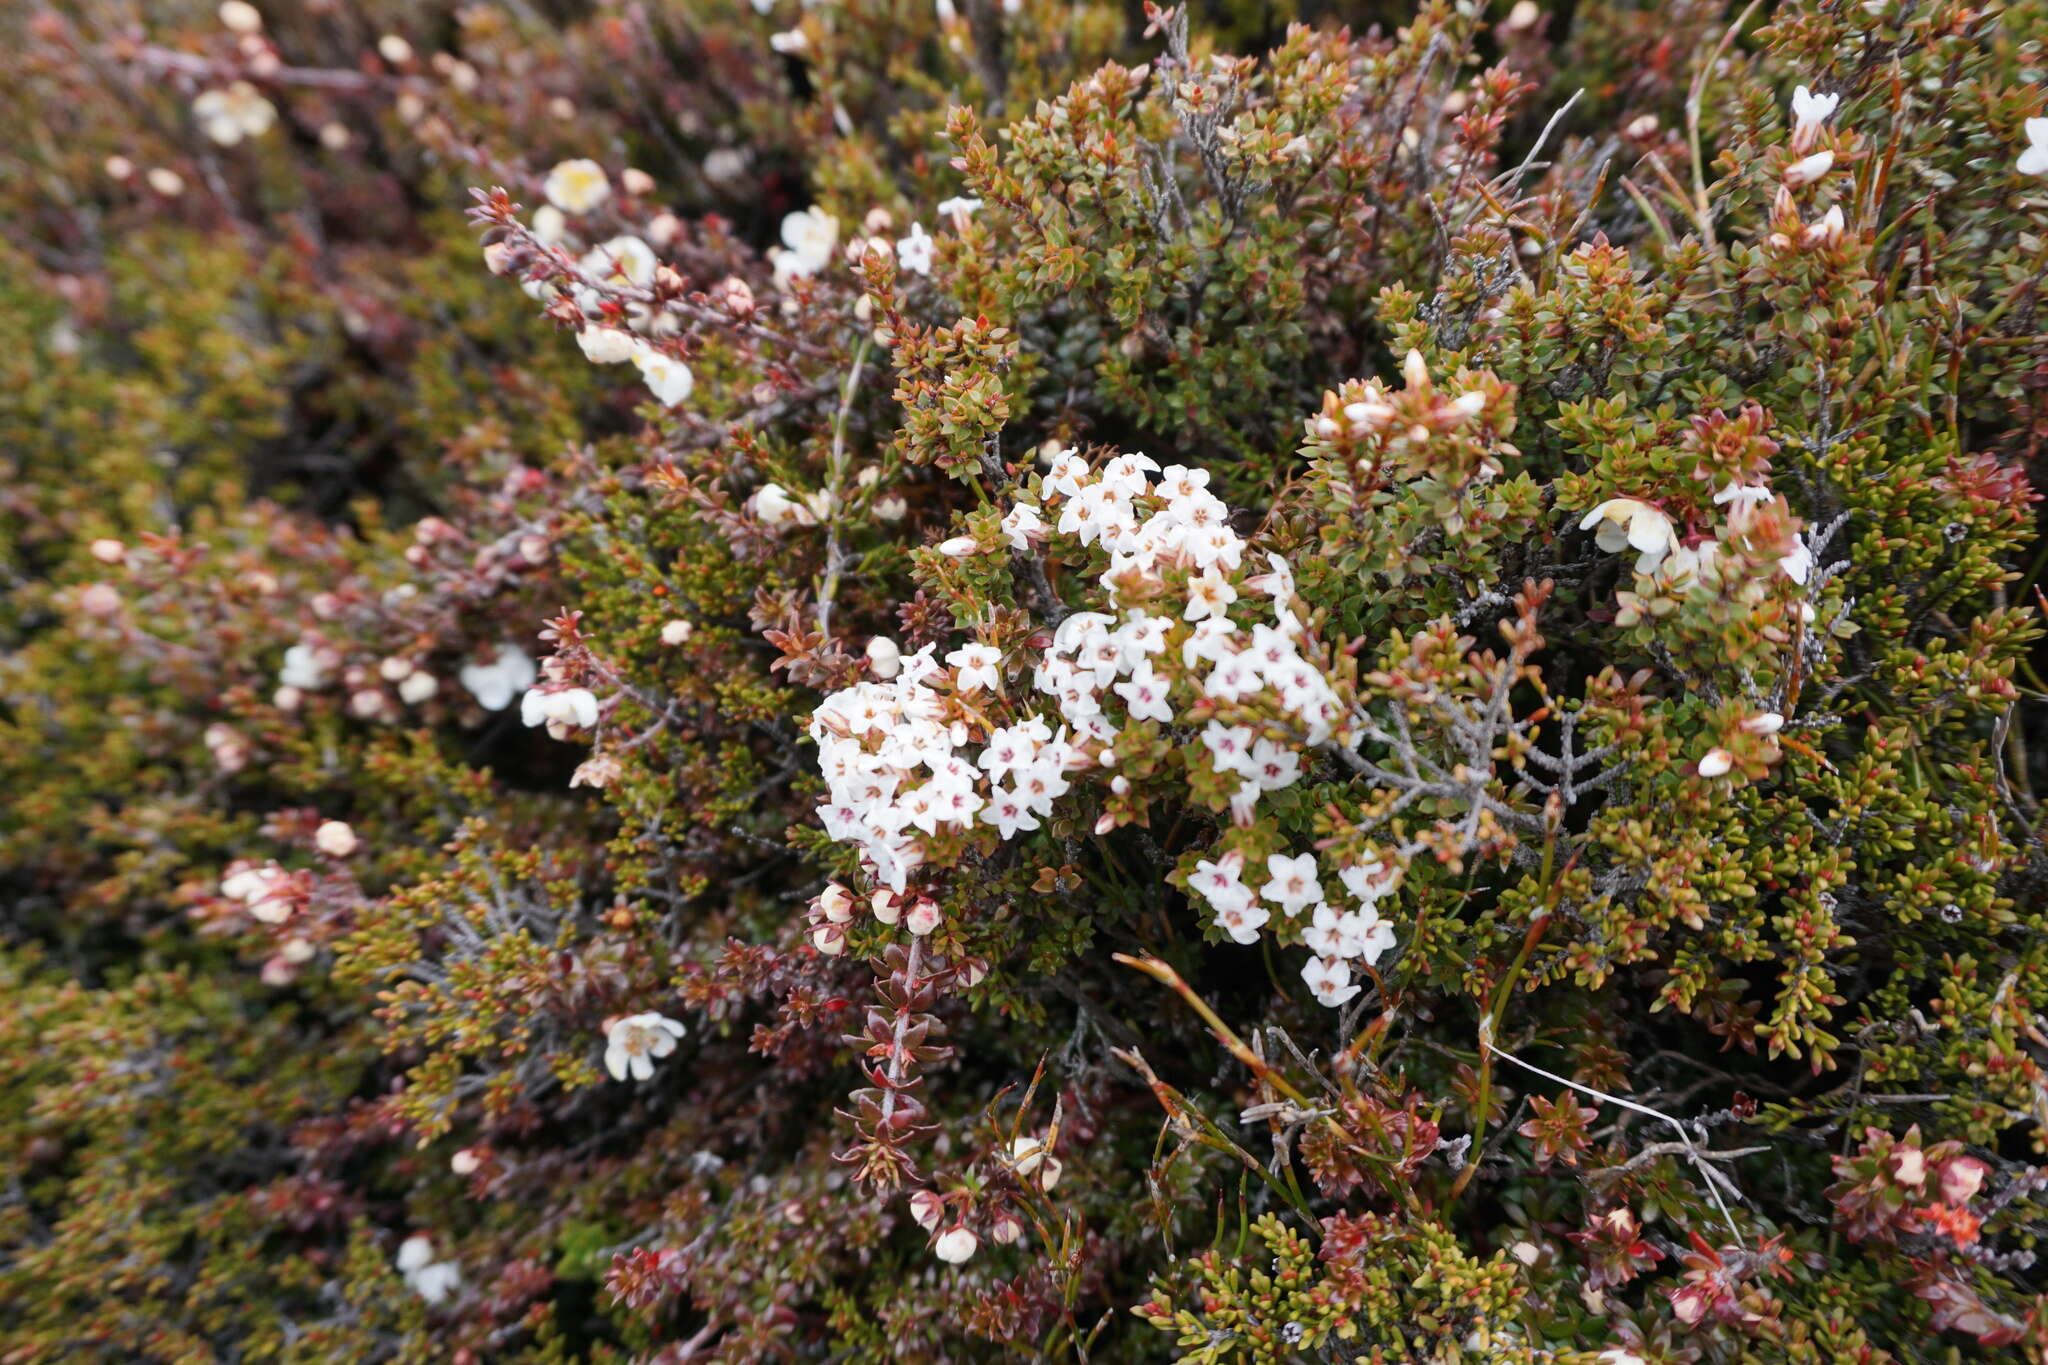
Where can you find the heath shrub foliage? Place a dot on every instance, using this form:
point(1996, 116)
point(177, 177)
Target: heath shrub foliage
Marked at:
point(873, 681)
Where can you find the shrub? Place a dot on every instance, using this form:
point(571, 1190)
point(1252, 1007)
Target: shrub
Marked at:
point(871, 682)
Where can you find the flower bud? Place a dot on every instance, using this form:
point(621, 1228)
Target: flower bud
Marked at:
point(1716, 763)
point(98, 599)
point(927, 1208)
point(885, 658)
point(1827, 231)
point(239, 16)
point(923, 917)
point(1806, 170)
point(955, 1246)
point(835, 903)
point(336, 839)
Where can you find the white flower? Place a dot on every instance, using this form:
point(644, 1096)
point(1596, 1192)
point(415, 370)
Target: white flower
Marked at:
point(790, 42)
point(959, 208)
point(437, 1281)
point(1008, 813)
point(1798, 566)
point(773, 506)
point(668, 379)
point(976, 667)
point(414, 1253)
point(417, 686)
point(1022, 525)
point(1716, 763)
point(432, 1280)
point(335, 838)
point(495, 684)
point(1029, 1155)
point(1233, 679)
point(621, 263)
point(549, 227)
point(2034, 160)
point(606, 345)
point(227, 116)
point(677, 632)
point(1630, 523)
point(885, 657)
point(1743, 495)
point(577, 186)
point(1242, 922)
point(1219, 884)
point(1810, 111)
point(955, 1245)
point(1325, 933)
point(302, 669)
point(1368, 935)
point(1230, 747)
point(1329, 978)
point(1367, 881)
point(1274, 765)
point(1294, 885)
point(636, 1042)
point(1145, 695)
point(915, 251)
point(808, 236)
point(567, 707)
point(1764, 723)
point(1208, 595)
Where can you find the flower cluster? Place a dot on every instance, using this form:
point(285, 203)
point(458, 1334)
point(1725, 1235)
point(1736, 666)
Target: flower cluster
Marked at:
point(432, 1280)
point(943, 747)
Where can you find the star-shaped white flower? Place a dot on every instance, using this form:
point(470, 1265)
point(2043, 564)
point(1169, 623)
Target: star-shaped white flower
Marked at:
point(1630, 523)
point(636, 1042)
